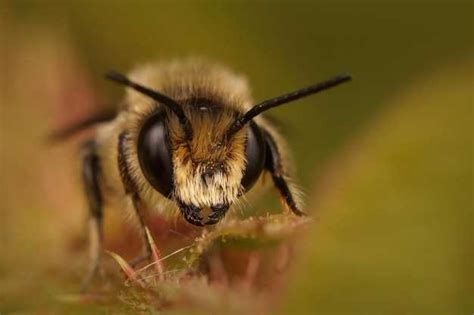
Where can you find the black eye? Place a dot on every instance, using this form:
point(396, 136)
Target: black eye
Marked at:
point(255, 156)
point(154, 154)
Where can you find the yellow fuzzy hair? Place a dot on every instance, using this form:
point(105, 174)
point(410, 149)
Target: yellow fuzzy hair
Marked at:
point(184, 80)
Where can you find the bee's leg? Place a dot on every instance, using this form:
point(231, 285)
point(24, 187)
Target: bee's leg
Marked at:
point(90, 178)
point(273, 164)
point(131, 189)
point(146, 251)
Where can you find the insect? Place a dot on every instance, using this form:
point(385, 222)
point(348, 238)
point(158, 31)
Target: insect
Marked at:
point(187, 137)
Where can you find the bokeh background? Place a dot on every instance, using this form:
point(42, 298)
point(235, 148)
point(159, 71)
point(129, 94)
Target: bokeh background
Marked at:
point(386, 161)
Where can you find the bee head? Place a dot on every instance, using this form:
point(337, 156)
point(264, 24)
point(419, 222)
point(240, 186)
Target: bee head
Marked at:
point(204, 169)
point(202, 154)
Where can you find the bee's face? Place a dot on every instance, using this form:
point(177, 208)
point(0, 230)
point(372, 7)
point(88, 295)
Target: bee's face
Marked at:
point(206, 171)
point(202, 149)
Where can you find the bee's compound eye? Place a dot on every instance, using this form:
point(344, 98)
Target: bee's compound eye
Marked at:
point(154, 154)
point(255, 156)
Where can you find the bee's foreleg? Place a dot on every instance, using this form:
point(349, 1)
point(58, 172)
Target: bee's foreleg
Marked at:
point(131, 189)
point(90, 178)
point(273, 164)
point(146, 251)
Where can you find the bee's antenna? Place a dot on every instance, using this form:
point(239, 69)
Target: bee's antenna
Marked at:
point(163, 99)
point(283, 99)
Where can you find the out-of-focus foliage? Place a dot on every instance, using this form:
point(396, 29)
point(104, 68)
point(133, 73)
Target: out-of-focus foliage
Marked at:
point(237, 268)
point(394, 233)
point(386, 160)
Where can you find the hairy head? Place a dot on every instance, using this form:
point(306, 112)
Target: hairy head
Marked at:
point(199, 146)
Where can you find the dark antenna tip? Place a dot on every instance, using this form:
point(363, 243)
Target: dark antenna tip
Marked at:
point(117, 77)
point(343, 77)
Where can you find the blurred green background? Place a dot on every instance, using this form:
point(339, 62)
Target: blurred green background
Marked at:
point(386, 160)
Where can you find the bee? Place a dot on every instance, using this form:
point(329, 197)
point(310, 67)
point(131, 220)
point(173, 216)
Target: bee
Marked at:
point(187, 138)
